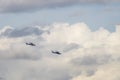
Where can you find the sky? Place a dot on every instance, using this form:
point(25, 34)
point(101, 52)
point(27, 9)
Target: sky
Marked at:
point(86, 32)
point(95, 13)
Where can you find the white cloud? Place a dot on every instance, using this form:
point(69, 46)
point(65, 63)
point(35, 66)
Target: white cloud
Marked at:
point(31, 5)
point(86, 54)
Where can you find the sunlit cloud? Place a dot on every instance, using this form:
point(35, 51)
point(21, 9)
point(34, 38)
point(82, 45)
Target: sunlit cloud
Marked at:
point(86, 54)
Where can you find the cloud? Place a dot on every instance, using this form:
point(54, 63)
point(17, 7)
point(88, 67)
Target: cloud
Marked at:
point(6, 31)
point(31, 5)
point(102, 73)
point(10, 32)
point(86, 54)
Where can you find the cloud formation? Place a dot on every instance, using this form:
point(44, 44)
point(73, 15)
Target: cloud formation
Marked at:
point(86, 54)
point(31, 5)
point(11, 32)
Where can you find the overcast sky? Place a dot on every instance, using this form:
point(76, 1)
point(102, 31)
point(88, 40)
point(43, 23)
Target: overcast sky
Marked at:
point(95, 13)
point(86, 32)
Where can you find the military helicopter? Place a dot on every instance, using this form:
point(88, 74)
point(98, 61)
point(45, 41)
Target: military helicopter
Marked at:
point(31, 44)
point(56, 52)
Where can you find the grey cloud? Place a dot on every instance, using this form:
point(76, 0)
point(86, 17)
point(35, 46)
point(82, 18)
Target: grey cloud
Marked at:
point(26, 56)
point(25, 31)
point(70, 47)
point(87, 60)
point(90, 72)
point(89, 64)
point(7, 6)
point(92, 60)
point(10, 32)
